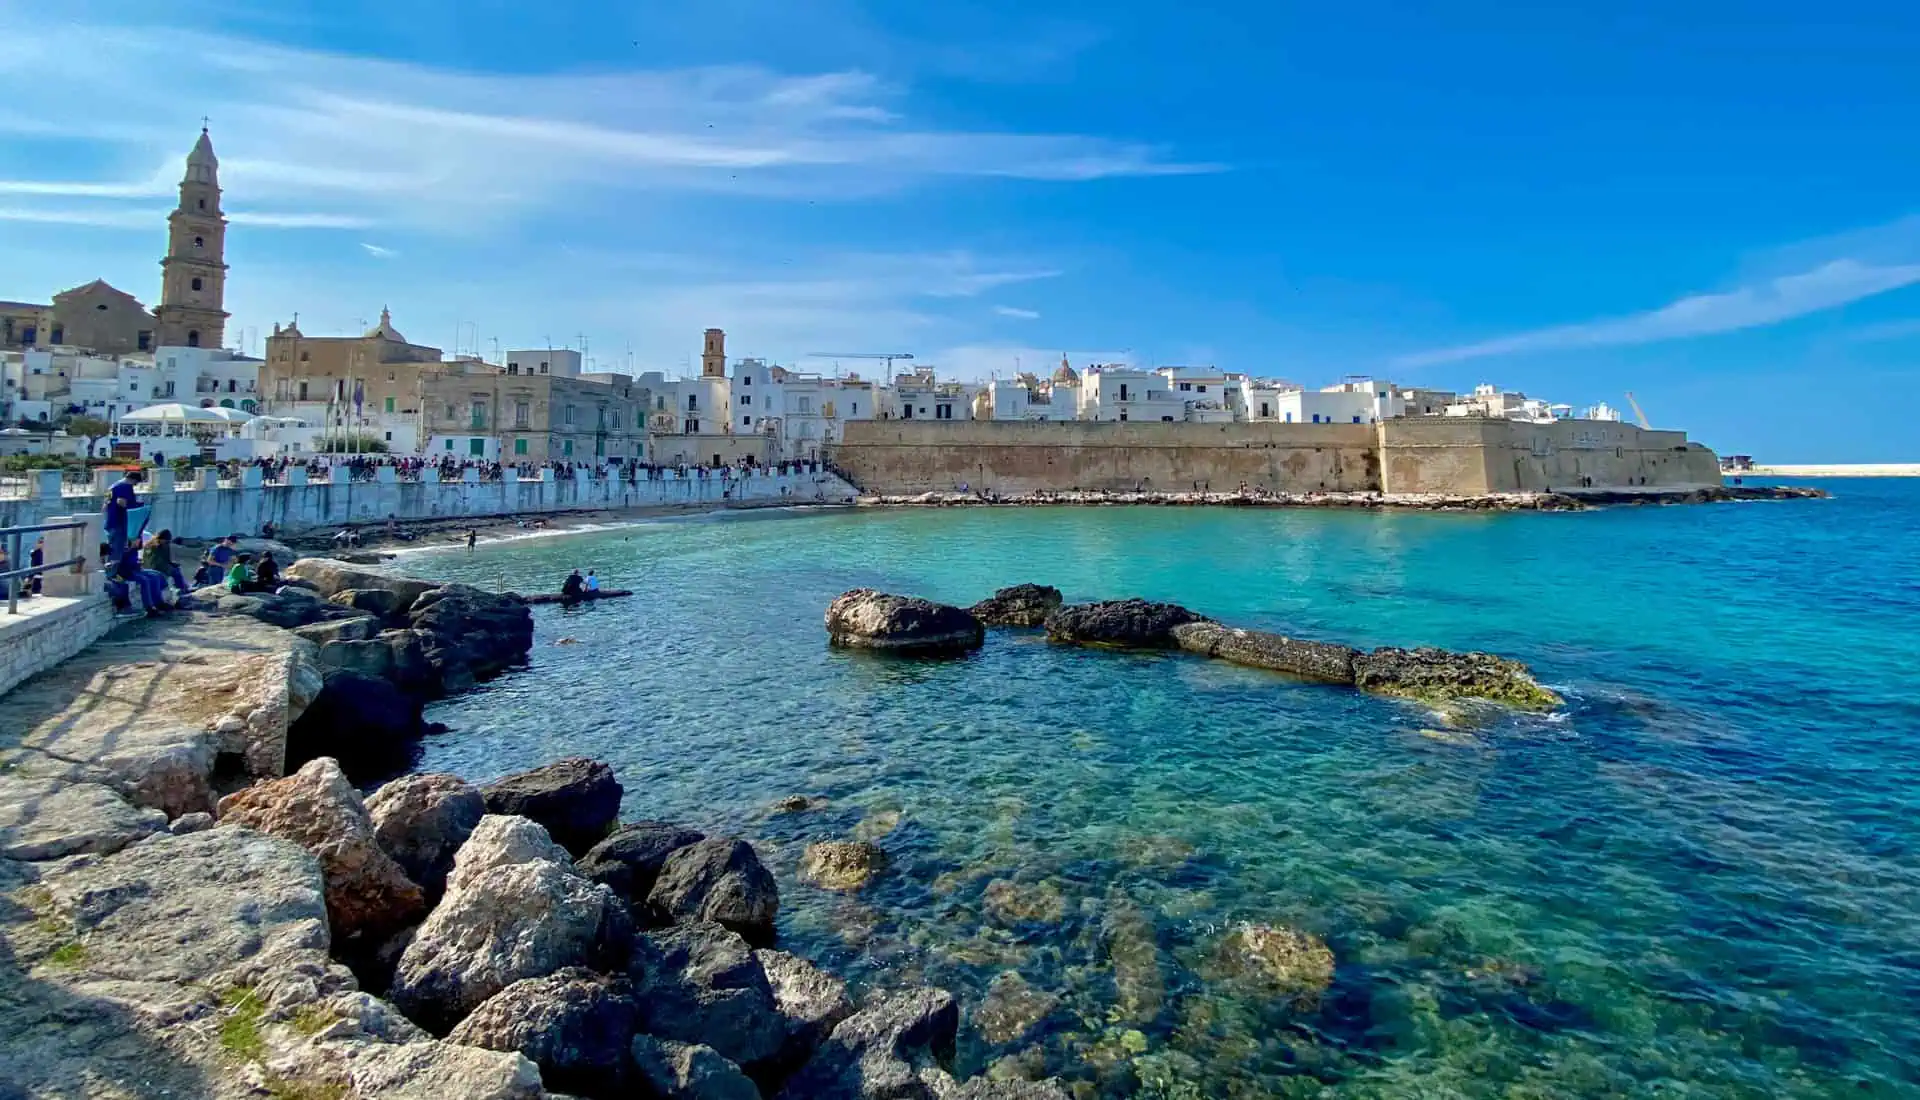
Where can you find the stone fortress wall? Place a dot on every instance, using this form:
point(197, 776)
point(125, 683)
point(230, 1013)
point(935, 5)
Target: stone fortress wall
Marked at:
point(1410, 455)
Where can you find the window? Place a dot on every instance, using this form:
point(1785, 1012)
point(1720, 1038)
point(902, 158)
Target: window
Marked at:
point(1316, 418)
point(746, 399)
point(390, 376)
point(543, 370)
point(906, 413)
point(1356, 420)
point(196, 282)
point(306, 356)
point(521, 411)
point(746, 422)
point(660, 403)
point(855, 405)
point(806, 406)
point(193, 337)
point(1185, 386)
point(567, 447)
point(569, 414)
point(693, 427)
point(449, 444)
point(1123, 391)
point(640, 421)
point(449, 412)
point(479, 414)
point(59, 335)
point(389, 434)
point(477, 447)
point(1123, 414)
point(693, 402)
point(203, 204)
point(1264, 413)
point(146, 341)
point(233, 385)
point(943, 412)
point(199, 242)
point(389, 404)
point(746, 379)
point(1203, 389)
point(519, 446)
point(303, 395)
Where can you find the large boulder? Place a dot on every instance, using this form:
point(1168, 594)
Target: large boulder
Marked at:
point(574, 1024)
point(364, 722)
point(841, 864)
point(1121, 624)
point(1439, 675)
point(353, 628)
point(717, 880)
point(810, 1000)
point(430, 1071)
point(893, 1049)
point(329, 576)
point(368, 894)
point(508, 923)
point(700, 983)
point(396, 656)
point(629, 860)
point(384, 604)
point(866, 619)
point(49, 818)
point(1018, 605)
point(1294, 656)
point(577, 800)
point(469, 634)
point(689, 1071)
point(422, 821)
point(501, 840)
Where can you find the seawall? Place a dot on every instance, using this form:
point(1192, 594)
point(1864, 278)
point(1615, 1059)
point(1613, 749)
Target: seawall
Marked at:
point(208, 510)
point(1408, 456)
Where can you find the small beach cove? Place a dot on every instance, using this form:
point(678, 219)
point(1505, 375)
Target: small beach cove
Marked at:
point(1699, 871)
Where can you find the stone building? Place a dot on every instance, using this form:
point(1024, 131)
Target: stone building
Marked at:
point(368, 384)
point(475, 410)
point(105, 320)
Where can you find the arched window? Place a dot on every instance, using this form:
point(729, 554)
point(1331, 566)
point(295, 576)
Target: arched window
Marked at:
point(193, 337)
point(226, 402)
point(203, 204)
point(196, 282)
point(199, 242)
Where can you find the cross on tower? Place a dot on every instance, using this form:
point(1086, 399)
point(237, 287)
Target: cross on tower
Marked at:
point(203, 123)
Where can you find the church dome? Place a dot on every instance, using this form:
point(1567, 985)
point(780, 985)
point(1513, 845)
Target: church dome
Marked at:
point(385, 330)
point(1066, 374)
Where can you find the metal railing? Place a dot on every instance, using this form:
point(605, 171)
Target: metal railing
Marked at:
point(11, 537)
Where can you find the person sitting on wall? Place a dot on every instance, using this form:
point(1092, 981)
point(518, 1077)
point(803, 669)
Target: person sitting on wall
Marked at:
point(158, 556)
point(573, 587)
point(151, 585)
point(267, 529)
point(116, 586)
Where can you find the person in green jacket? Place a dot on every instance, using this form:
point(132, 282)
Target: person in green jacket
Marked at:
point(239, 576)
point(157, 555)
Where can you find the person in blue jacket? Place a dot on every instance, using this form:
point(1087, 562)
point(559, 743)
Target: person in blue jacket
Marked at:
point(122, 498)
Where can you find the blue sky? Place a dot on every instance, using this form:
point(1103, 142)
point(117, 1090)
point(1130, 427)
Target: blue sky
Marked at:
point(1715, 205)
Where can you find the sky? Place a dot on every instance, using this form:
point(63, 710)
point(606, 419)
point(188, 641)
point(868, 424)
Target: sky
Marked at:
point(1714, 205)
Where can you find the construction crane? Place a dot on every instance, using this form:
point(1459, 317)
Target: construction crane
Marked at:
point(1639, 415)
point(888, 356)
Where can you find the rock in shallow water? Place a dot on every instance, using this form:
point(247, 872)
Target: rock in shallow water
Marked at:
point(866, 619)
point(1258, 649)
point(1440, 674)
point(841, 864)
point(368, 893)
point(1122, 624)
point(577, 800)
point(1018, 605)
point(1277, 961)
point(701, 983)
point(1011, 1008)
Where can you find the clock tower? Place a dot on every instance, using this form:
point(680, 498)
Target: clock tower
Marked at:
point(194, 274)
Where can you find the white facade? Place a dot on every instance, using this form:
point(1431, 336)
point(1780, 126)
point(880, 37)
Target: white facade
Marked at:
point(922, 396)
point(1127, 393)
point(1490, 401)
point(1210, 396)
point(564, 362)
point(758, 398)
point(815, 408)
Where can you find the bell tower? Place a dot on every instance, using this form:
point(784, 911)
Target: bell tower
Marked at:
point(193, 276)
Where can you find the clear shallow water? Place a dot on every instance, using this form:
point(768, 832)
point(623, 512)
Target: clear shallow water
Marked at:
point(1700, 878)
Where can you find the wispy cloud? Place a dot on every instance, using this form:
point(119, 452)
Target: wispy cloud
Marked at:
point(378, 252)
point(389, 141)
point(1017, 313)
point(1771, 301)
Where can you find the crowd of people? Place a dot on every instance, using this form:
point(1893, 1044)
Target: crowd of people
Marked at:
point(366, 467)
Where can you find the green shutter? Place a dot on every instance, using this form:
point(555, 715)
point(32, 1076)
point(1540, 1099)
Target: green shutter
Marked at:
point(519, 446)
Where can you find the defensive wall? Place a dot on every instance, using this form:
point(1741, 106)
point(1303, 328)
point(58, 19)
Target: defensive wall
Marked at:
point(1439, 455)
point(210, 508)
point(917, 456)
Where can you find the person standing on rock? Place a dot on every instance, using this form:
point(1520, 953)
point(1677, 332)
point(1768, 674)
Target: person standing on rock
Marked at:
point(473, 536)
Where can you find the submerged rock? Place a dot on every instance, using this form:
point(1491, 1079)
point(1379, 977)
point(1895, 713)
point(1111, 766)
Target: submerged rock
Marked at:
point(1257, 649)
point(841, 864)
point(1122, 624)
point(368, 893)
point(890, 1049)
point(1018, 605)
point(630, 859)
point(577, 800)
point(1278, 961)
point(811, 1001)
point(1440, 674)
point(1011, 1008)
point(1012, 902)
point(866, 619)
point(717, 880)
point(422, 821)
point(574, 1024)
point(1132, 947)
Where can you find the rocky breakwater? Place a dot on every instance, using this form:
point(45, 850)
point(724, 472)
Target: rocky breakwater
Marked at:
point(1549, 501)
point(386, 646)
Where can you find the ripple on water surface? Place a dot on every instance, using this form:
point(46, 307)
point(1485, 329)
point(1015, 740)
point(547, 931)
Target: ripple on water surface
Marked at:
point(1698, 879)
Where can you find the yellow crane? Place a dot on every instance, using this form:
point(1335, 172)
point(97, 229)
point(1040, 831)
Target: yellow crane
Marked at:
point(1637, 413)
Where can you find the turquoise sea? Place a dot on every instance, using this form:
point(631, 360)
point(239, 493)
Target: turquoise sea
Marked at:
point(1700, 878)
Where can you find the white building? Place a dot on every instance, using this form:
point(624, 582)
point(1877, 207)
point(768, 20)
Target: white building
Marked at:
point(1490, 401)
point(816, 408)
point(1210, 396)
point(759, 395)
point(564, 362)
point(1117, 392)
point(920, 395)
